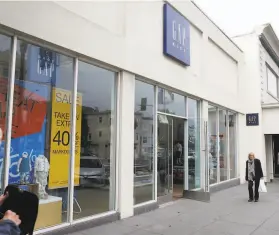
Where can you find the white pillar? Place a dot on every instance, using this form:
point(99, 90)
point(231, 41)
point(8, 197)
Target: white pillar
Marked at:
point(125, 141)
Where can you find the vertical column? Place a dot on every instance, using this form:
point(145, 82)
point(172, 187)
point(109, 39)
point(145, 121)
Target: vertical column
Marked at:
point(269, 157)
point(264, 157)
point(126, 145)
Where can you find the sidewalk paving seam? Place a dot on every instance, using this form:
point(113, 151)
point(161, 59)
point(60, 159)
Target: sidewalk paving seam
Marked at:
point(259, 226)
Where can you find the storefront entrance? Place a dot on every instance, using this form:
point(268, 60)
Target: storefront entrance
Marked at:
point(170, 156)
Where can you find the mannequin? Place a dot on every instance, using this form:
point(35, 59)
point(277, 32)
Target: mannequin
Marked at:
point(24, 168)
point(41, 173)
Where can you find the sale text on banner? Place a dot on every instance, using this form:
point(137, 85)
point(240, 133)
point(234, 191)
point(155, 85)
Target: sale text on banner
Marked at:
point(60, 138)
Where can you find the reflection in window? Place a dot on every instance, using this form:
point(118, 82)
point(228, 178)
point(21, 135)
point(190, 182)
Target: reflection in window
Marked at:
point(212, 144)
point(96, 192)
point(223, 146)
point(170, 102)
point(5, 51)
point(41, 129)
point(143, 147)
point(193, 144)
point(232, 144)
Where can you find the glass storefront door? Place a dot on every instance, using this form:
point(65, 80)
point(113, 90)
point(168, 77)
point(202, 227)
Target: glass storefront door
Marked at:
point(165, 155)
point(170, 156)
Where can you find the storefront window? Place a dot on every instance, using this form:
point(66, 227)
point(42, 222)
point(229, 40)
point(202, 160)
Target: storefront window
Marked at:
point(223, 146)
point(170, 102)
point(40, 144)
point(5, 52)
point(193, 144)
point(212, 144)
point(143, 145)
point(94, 191)
point(232, 144)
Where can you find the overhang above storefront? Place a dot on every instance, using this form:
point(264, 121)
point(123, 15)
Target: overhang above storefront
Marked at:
point(270, 41)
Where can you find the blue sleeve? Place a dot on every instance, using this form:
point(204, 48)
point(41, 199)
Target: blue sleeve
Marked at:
point(8, 227)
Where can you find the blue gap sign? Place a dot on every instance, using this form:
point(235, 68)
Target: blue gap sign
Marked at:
point(176, 35)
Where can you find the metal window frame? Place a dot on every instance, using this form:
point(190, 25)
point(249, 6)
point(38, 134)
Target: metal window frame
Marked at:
point(218, 144)
point(155, 147)
point(228, 145)
point(71, 179)
point(186, 143)
point(236, 146)
point(9, 112)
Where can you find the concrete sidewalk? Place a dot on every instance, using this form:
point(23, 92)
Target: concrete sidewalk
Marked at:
point(228, 213)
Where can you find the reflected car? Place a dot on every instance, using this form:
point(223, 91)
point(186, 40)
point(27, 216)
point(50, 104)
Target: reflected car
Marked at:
point(92, 171)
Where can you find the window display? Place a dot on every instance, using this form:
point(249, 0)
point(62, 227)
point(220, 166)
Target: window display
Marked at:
point(143, 145)
point(212, 144)
point(40, 129)
point(223, 145)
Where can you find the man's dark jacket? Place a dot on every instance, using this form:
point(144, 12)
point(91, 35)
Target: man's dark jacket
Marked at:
point(258, 170)
point(8, 227)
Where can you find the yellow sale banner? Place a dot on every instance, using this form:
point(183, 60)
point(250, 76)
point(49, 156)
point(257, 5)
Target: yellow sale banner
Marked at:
point(60, 138)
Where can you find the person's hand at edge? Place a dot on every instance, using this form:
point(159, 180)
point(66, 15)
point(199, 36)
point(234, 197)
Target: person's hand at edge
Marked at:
point(3, 198)
point(9, 215)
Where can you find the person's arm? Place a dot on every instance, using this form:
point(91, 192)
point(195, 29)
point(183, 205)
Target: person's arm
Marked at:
point(9, 224)
point(261, 169)
point(8, 227)
point(246, 174)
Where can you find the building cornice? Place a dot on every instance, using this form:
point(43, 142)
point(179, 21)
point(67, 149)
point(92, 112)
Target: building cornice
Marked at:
point(270, 106)
point(264, 41)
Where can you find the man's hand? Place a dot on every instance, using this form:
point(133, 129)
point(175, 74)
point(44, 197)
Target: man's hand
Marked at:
point(9, 215)
point(3, 198)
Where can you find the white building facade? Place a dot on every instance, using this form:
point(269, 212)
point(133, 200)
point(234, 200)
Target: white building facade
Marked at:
point(261, 50)
point(130, 111)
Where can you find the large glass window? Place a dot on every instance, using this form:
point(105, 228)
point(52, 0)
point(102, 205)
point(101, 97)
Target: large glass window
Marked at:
point(223, 146)
point(94, 191)
point(40, 138)
point(212, 144)
point(232, 144)
point(5, 52)
point(193, 144)
point(143, 145)
point(272, 82)
point(170, 102)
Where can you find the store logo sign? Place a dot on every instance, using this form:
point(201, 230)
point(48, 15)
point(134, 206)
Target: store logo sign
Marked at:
point(176, 35)
point(252, 119)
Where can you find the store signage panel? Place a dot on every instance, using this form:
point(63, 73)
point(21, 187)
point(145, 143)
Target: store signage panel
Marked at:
point(252, 119)
point(176, 35)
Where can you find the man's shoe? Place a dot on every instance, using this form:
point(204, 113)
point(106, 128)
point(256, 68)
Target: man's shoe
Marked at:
point(256, 200)
point(250, 200)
